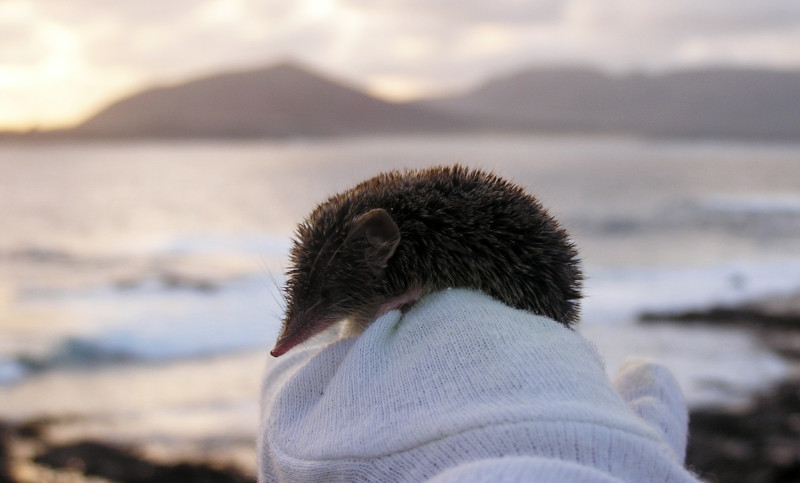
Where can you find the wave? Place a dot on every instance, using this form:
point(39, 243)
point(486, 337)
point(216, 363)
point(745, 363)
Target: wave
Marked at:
point(157, 323)
point(13, 371)
point(761, 205)
point(745, 216)
point(620, 295)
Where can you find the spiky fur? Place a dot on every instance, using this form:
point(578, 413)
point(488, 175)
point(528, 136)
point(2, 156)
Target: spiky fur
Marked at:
point(459, 228)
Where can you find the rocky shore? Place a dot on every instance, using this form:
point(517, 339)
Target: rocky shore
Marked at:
point(759, 443)
point(27, 456)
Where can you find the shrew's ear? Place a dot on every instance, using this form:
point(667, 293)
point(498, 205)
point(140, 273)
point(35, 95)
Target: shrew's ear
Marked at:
point(379, 230)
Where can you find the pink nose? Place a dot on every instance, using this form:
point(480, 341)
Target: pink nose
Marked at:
point(281, 347)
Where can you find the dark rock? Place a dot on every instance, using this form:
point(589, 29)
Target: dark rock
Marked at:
point(176, 280)
point(728, 315)
point(778, 314)
point(757, 445)
point(5, 454)
point(114, 463)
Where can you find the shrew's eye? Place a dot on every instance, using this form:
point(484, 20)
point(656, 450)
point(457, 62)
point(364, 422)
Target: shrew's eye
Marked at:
point(325, 293)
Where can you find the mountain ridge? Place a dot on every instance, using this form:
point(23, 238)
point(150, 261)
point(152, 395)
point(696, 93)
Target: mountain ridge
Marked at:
point(279, 101)
point(290, 100)
point(713, 102)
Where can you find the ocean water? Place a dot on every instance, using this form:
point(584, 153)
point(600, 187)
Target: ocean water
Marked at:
point(140, 282)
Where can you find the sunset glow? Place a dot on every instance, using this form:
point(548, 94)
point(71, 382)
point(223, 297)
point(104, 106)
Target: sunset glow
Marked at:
point(62, 61)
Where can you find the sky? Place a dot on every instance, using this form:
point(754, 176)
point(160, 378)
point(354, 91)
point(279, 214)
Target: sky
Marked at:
point(63, 60)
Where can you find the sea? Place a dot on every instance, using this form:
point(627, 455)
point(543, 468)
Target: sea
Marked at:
point(140, 282)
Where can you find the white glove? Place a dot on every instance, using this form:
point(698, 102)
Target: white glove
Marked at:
point(652, 392)
point(464, 388)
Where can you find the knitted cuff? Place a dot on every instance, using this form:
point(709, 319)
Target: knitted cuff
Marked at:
point(516, 469)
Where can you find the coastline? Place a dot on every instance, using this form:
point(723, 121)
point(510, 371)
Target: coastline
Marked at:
point(747, 442)
point(757, 442)
point(28, 455)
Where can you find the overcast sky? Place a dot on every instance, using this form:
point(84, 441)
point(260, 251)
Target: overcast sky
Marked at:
point(61, 60)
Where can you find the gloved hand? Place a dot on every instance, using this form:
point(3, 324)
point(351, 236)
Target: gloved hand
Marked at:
point(650, 390)
point(464, 388)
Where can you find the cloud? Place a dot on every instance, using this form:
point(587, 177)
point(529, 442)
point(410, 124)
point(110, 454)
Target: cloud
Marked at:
point(665, 34)
point(73, 56)
point(471, 11)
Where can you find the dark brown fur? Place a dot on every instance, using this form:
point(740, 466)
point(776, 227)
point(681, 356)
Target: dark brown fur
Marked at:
point(457, 228)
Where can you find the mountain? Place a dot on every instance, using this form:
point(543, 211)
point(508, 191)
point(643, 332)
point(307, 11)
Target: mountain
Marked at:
point(288, 100)
point(284, 100)
point(703, 103)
